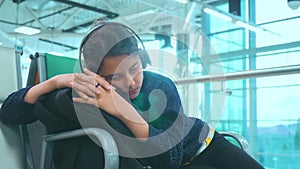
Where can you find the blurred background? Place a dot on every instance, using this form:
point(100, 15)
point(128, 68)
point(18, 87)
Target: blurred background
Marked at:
point(253, 45)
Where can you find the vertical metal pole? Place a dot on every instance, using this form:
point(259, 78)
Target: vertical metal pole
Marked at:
point(41, 65)
point(244, 81)
point(207, 94)
point(18, 54)
point(252, 85)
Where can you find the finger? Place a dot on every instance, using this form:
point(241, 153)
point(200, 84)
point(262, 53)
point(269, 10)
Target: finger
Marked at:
point(88, 72)
point(90, 81)
point(98, 79)
point(86, 84)
point(84, 91)
point(97, 85)
point(84, 78)
point(82, 95)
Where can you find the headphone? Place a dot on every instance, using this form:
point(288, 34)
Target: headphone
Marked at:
point(142, 52)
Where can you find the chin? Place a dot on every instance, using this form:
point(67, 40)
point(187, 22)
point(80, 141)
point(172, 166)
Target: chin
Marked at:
point(131, 97)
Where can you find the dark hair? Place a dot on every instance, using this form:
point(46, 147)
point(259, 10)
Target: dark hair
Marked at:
point(126, 46)
point(107, 41)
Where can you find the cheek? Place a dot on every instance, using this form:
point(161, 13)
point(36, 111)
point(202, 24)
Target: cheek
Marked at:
point(139, 78)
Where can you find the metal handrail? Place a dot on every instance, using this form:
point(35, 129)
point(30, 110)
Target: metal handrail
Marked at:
point(294, 69)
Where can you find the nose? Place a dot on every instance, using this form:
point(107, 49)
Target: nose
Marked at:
point(129, 81)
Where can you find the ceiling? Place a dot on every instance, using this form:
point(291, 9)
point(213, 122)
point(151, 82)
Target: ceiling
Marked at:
point(63, 23)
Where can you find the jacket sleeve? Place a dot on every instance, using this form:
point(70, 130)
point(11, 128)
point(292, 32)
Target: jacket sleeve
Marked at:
point(54, 109)
point(15, 111)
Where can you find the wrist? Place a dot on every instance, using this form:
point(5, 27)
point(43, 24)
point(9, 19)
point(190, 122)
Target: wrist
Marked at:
point(53, 82)
point(36, 91)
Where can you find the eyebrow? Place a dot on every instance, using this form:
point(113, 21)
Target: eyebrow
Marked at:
point(137, 62)
point(108, 76)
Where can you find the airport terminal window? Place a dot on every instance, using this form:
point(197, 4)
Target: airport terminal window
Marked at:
point(220, 25)
point(228, 41)
point(280, 19)
point(226, 36)
point(278, 11)
point(277, 111)
point(277, 120)
point(282, 32)
point(278, 58)
point(264, 110)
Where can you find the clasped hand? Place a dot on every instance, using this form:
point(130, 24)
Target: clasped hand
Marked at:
point(103, 96)
point(95, 90)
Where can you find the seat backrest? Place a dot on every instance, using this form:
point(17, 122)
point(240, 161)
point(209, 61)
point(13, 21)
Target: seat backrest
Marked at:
point(57, 65)
point(42, 67)
point(50, 65)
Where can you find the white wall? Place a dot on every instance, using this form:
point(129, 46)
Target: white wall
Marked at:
point(8, 72)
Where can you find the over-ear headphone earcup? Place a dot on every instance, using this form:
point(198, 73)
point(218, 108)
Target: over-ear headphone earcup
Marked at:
point(145, 58)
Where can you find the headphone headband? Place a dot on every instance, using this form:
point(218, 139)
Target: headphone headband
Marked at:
point(101, 25)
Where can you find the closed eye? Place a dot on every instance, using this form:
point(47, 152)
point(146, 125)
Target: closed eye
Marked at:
point(112, 77)
point(134, 67)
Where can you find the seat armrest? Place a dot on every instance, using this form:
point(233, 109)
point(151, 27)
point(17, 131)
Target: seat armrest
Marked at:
point(107, 141)
point(243, 143)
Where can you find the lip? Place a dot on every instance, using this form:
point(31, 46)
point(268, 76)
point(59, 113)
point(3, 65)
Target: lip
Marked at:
point(133, 91)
